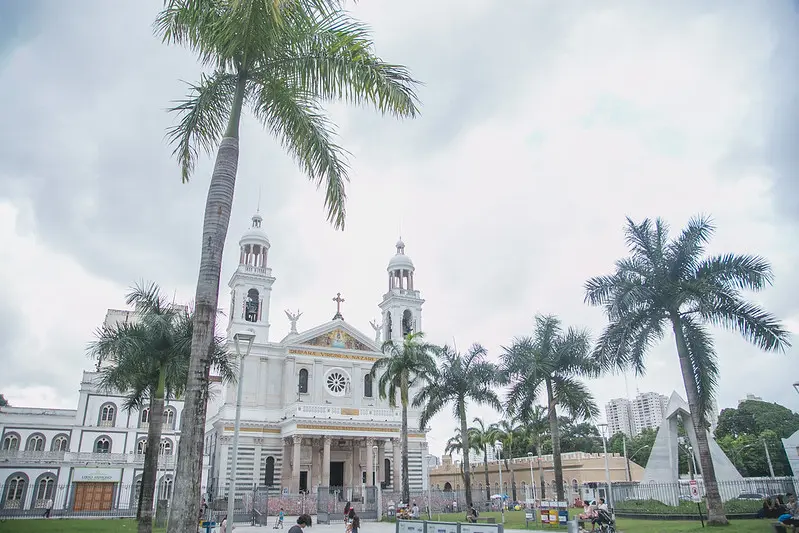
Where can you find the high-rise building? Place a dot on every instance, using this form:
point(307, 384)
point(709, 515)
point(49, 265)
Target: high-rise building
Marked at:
point(619, 416)
point(648, 411)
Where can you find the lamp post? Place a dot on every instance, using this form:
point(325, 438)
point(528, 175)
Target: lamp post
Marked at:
point(603, 428)
point(498, 449)
point(532, 479)
point(796, 386)
point(768, 458)
point(248, 337)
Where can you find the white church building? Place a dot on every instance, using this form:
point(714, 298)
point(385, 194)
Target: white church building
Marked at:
point(311, 416)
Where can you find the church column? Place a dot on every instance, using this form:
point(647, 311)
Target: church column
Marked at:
point(356, 464)
point(316, 463)
point(381, 461)
point(395, 446)
point(295, 466)
point(370, 453)
point(326, 461)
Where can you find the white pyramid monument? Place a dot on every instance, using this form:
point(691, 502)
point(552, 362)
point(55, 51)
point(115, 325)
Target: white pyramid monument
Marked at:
point(663, 460)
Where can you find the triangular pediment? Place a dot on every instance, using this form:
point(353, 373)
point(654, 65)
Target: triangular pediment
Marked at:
point(336, 334)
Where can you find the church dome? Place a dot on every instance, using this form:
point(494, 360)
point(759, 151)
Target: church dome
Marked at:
point(256, 234)
point(400, 261)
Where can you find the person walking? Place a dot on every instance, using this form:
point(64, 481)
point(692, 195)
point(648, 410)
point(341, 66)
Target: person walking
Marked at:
point(303, 521)
point(354, 520)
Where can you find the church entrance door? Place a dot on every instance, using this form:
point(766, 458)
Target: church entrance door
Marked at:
point(336, 473)
point(303, 481)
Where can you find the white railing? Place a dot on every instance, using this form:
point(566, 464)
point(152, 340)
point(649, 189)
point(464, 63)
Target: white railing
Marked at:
point(340, 412)
point(20, 456)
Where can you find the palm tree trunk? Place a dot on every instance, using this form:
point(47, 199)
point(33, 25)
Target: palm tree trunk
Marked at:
point(406, 484)
point(150, 473)
point(555, 432)
point(467, 474)
point(485, 469)
point(715, 509)
point(188, 471)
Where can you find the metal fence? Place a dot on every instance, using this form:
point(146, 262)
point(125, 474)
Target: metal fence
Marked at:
point(671, 494)
point(19, 499)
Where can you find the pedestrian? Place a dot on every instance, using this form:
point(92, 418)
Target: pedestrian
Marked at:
point(48, 508)
point(223, 526)
point(355, 521)
point(303, 521)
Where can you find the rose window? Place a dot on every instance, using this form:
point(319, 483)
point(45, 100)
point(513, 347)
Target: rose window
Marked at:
point(337, 383)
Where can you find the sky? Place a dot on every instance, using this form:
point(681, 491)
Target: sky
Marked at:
point(543, 125)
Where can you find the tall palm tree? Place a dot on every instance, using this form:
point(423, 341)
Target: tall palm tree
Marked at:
point(551, 362)
point(406, 365)
point(536, 426)
point(671, 284)
point(280, 59)
point(507, 432)
point(459, 379)
point(484, 437)
point(147, 360)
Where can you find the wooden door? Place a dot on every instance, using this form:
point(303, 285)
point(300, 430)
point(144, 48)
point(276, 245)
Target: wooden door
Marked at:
point(94, 496)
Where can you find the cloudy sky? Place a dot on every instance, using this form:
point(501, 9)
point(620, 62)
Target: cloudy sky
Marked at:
point(544, 124)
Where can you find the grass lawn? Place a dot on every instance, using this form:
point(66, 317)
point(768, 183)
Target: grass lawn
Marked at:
point(515, 520)
point(71, 526)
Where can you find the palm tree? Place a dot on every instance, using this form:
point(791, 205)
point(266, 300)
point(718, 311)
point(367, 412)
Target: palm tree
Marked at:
point(550, 362)
point(536, 426)
point(280, 58)
point(406, 364)
point(507, 431)
point(461, 378)
point(484, 437)
point(147, 360)
point(672, 283)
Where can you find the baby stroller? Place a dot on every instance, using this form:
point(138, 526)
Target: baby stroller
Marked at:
point(605, 522)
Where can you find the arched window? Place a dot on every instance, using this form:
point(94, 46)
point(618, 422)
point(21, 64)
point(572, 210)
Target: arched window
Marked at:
point(102, 445)
point(45, 489)
point(407, 322)
point(447, 487)
point(575, 488)
point(169, 418)
point(35, 443)
point(269, 475)
point(524, 488)
point(141, 446)
point(388, 325)
point(134, 500)
point(166, 447)
point(11, 442)
point(303, 381)
point(16, 486)
point(60, 443)
point(144, 417)
point(496, 487)
point(252, 305)
point(108, 415)
point(386, 471)
point(165, 488)
point(367, 386)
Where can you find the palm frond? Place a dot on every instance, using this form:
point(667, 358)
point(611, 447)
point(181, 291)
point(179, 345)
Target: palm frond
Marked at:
point(757, 326)
point(575, 398)
point(203, 116)
point(295, 117)
point(685, 252)
point(736, 271)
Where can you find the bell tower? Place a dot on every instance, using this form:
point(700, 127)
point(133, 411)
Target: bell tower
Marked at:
point(401, 307)
point(251, 284)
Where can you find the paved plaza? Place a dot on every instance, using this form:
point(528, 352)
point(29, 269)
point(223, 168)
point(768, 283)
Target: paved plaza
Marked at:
point(338, 527)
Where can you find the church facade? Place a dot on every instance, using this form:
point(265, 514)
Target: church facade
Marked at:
point(311, 415)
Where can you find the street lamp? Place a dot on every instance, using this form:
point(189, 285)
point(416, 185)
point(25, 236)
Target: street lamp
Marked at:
point(796, 386)
point(603, 429)
point(532, 479)
point(248, 337)
point(498, 449)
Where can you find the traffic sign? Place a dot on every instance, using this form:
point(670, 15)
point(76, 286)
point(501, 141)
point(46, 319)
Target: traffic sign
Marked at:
point(694, 488)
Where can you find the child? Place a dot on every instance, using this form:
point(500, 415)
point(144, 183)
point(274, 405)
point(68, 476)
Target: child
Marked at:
point(279, 521)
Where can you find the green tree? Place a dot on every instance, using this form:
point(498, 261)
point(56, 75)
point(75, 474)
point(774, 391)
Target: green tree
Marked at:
point(753, 417)
point(535, 424)
point(576, 436)
point(458, 380)
point(484, 438)
point(147, 360)
point(508, 432)
point(671, 284)
point(550, 362)
point(281, 59)
point(406, 365)
point(3, 401)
